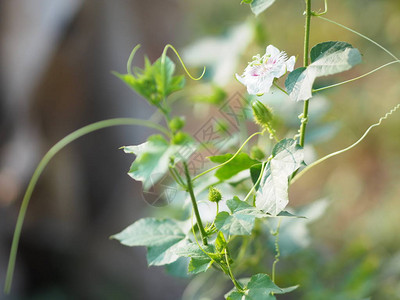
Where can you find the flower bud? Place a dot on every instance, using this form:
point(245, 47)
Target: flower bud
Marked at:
point(214, 195)
point(176, 124)
point(262, 114)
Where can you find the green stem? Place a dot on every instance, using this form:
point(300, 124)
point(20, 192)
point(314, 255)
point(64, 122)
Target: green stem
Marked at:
point(194, 203)
point(229, 160)
point(356, 78)
point(43, 163)
point(278, 252)
point(307, 28)
point(279, 88)
point(257, 182)
point(237, 284)
point(180, 183)
point(345, 149)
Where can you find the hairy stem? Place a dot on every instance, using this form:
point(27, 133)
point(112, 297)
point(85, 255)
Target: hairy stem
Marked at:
point(43, 163)
point(194, 203)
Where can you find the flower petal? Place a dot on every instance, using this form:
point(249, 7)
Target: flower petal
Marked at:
point(272, 51)
point(290, 64)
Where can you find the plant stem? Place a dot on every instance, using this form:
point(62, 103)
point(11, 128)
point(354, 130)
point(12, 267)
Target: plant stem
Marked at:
point(304, 118)
point(237, 284)
point(194, 203)
point(43, 163)
point(277, 250)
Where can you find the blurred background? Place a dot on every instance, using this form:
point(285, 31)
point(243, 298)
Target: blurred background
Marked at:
point(55, 63)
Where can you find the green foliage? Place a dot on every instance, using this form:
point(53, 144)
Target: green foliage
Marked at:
point(200, 261)
point(241, 162)
point(326, 59)
point(162, 238)
point(155, 81)
point(272, 196)
point(153, 158)
point(241, 219)
point(259, 287)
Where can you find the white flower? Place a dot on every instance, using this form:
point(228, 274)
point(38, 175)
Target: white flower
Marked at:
point(259, 75)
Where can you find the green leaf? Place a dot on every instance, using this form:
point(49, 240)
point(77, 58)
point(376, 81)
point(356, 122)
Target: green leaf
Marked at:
point(161, 237)
point(220, 242)
point(240, 221)
point(199, 260)
point(326, 59)
point(163, 75)
point(153, 157)
point(258, 6)
point(259, 287)
point(255, 171)
point(178, 268)
point(242, 217)
point(156, 81)
point(240, 163)
point(272, 196)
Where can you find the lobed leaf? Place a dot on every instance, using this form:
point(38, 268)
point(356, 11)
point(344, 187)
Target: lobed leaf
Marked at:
point(260, 286)
point(326, 59)
point(272, 196)
point(199, 260)
point(156, 81)
point(153, 157)
point(161, 237)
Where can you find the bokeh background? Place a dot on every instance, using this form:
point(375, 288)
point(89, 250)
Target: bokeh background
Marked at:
point(55, 63)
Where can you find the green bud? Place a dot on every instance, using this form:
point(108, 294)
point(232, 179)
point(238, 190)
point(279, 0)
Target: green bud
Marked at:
point(176, 124)
point(262, 114)
point(180, 138)
point(257, 153)
point(214, 195)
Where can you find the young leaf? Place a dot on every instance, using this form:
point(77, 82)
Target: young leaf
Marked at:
point(220, 242)
point(155, 82)
point(326, 59)
point(161, 237)
point(241, 162)
point(258, 6)
point(242, 217)
point(260, 286)
point(152, 158)
point(199, 260)
point(272, 196)
point(240, 221)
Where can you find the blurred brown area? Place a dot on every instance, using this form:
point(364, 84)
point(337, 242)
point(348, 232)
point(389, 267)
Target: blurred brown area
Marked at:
point(56, 58)
point(55, 63)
